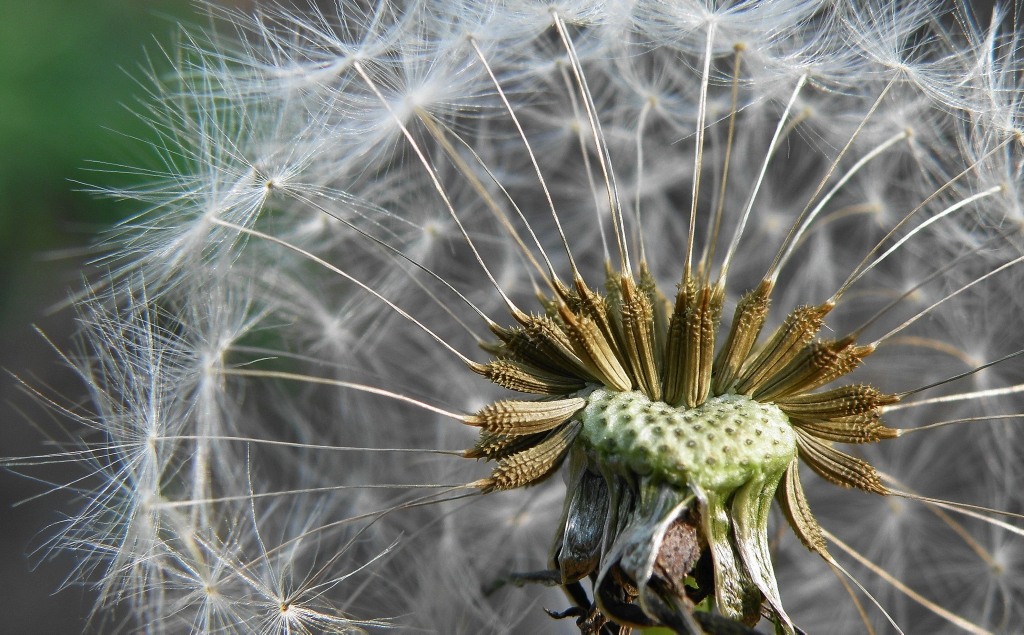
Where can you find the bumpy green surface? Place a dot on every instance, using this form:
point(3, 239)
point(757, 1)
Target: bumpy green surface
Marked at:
point(719, 446)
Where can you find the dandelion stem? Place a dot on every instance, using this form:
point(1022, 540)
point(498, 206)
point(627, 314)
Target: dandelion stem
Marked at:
point(702, 107)
point(349, 277)
point(734, 245)
point(898, 585)
point(963, 396)
point(273, 374)
point(304, 490)
point(605, 161)
point(640, 124)
point(712, 241)
point(859, 270)
point(398, 253)
point(533, 161)
point(948, 297)
point(303, 446)
point(794, 239)
point(441, 132)
point(946, 212)
point(431, 173)
point(950, 422)
point(773, 270)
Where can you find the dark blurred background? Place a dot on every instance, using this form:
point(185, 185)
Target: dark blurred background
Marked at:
point(70, 73)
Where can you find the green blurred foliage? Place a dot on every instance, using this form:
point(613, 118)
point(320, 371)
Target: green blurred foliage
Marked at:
point(70, 73)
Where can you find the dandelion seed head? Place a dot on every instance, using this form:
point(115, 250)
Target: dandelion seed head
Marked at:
point(714, 258)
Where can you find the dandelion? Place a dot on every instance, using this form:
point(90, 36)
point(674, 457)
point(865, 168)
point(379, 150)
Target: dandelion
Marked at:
point(742, 273)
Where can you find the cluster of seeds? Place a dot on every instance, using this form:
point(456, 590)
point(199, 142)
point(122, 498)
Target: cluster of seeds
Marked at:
point(669, 428)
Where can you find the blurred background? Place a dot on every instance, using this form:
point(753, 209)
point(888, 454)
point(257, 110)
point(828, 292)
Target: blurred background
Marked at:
point(71, 72)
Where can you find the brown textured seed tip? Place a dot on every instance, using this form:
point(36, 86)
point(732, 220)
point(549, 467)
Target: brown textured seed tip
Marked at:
point(838, 467)
point(638, 336)
point(795, 508)
point(747, 322)
point(788, 341)
point(535, 463)
point(526, 378)
point(514, 417)
point(593, 349)
point(486, 485)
